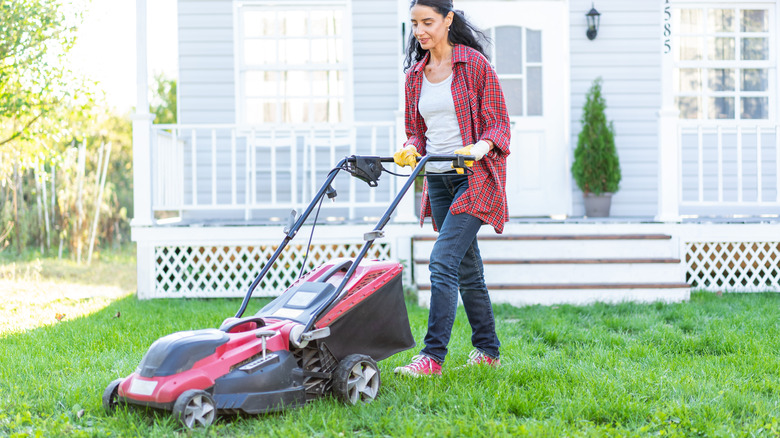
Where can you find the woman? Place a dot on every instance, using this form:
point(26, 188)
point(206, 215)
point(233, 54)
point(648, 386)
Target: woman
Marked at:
point(453, 98)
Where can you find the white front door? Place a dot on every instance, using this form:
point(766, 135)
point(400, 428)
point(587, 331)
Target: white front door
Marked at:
point(530, 55)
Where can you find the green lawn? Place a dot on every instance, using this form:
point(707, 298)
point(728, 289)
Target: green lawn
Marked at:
point(708, 367)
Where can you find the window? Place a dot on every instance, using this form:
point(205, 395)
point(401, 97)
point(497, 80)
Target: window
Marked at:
point(724, 61)
point(519, 68)
point(292, 63)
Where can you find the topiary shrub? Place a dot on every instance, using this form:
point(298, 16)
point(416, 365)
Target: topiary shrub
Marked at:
point(596, 167)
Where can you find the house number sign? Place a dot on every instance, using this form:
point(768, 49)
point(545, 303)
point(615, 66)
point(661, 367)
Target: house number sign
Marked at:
point(667, 27)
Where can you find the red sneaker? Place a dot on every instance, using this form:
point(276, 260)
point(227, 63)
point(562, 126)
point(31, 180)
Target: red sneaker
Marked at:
point(477, 357)
point(421, 366)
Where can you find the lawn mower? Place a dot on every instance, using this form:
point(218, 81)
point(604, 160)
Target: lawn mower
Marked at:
point(322, 336)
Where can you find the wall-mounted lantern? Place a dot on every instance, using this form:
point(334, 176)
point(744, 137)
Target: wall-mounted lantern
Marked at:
point(593, 23)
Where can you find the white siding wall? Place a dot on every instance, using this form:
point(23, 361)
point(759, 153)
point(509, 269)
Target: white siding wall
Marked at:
point(207, 84)
point(206, 79)
point(626, 54)
point(377, 43)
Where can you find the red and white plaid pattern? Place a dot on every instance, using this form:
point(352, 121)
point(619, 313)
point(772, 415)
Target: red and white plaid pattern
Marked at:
point(482, 115)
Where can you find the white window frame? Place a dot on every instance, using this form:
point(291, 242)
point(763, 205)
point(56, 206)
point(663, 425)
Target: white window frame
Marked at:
point(771, 65)
point(239, 67)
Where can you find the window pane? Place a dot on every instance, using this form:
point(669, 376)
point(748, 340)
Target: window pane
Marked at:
point(534, 91)
point(721, 79)
point(689, 107)
point(689, 20)
point(721, 49)
point(721, 107)
point(260, 83)
point(687, 80)
point(509, 50)
point(533, 45)
point(294, 51)
point(721, 20)
point(293, 23)
point(259, 52)
point(755, 108)
point(513, 93)
point(754, 79)
point(755, 49)
point(690, 49)
point(295, 111)
point(296, 83)
point(260, 111)
point(257, 23)
point(756, 20)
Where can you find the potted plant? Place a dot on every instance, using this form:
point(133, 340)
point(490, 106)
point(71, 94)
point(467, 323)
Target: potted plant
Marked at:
point(596, 167)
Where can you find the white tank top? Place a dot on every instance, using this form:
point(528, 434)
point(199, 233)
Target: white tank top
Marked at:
point(437, 108)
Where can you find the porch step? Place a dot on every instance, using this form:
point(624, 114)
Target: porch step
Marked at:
point(571, 269)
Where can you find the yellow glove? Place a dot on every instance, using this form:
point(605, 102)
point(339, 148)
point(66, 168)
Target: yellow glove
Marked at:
point(406, 156)
point(478, 150)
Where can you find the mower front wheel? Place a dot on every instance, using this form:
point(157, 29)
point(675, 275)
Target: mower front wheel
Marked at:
point(356, 379)
point(111, 396)
point(195, 408)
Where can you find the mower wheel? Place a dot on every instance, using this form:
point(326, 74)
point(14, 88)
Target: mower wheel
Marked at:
point(111, 396)
point(356, 379)
point(195, 408)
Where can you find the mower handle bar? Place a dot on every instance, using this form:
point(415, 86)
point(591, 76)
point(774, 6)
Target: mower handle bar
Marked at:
point(290, 234)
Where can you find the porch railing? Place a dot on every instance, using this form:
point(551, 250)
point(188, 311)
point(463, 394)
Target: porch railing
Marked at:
point(729, 167)
point(222, 168)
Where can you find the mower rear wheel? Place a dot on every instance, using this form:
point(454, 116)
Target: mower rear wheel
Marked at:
point(195, 408)
point(111, 396)
point(356, 379)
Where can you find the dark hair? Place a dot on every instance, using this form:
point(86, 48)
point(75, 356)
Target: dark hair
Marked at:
point(461, 32)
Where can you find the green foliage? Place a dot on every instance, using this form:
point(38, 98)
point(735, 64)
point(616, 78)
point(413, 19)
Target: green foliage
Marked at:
point(596, 167)
point(163, 102)
point(36, 84)
point(707, 367)
point(44, 108)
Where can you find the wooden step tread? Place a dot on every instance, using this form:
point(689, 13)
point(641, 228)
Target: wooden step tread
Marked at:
point(578, 286)
point(562, 237)
point(566, 261)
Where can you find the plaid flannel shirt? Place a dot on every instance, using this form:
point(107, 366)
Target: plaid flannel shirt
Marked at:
point(482, 115)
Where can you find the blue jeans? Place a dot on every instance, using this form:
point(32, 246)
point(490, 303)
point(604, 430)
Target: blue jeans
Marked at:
point(456, 264)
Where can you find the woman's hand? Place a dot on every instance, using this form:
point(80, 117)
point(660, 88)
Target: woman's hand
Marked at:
point(478, 150)
point(406, 156)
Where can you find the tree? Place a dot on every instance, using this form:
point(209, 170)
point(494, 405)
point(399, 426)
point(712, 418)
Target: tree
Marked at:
point(596, 167)
point(163, 102)
point(34, 76)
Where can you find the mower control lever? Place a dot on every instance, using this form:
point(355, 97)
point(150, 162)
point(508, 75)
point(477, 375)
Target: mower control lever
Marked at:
point(316, 334)
point(373, 235)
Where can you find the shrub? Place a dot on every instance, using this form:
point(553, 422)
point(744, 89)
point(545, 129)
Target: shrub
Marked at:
point(596, 167)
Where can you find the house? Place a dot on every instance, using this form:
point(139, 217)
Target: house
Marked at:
point(273, 93)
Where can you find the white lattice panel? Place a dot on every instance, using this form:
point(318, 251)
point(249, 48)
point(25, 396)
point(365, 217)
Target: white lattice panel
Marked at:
point(733, 266)
point(222, 271)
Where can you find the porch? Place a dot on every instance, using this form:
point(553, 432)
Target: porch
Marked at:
point(226, 190)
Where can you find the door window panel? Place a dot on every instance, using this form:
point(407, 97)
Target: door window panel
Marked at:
point(534, 91)
point(509, 50)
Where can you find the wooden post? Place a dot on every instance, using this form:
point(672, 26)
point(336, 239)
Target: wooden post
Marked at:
point(36, 175)
point(79, 202)
point(42, 173)
point(99, 200)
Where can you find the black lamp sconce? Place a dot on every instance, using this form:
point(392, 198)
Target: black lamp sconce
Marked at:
point(593, 23)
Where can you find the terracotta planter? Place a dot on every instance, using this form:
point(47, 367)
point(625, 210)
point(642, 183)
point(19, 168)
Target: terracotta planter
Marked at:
point(597, 206)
